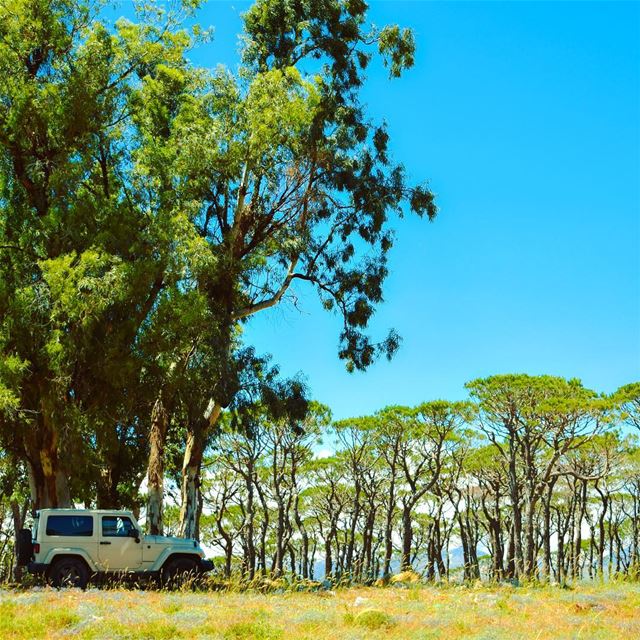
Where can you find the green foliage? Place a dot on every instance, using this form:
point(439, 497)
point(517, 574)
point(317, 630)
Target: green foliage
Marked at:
point(148, 208)
point(11, 371)
point(627, 401)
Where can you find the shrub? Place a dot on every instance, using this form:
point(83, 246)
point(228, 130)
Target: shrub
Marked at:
point(373, 619)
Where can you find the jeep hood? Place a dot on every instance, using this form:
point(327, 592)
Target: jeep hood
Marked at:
point(172, 540)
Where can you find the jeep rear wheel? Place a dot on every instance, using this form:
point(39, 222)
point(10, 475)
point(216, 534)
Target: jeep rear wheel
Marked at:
point(69, 572)
point(179, 571)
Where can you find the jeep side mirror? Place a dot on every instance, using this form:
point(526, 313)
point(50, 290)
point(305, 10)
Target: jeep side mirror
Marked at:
point(134, 533)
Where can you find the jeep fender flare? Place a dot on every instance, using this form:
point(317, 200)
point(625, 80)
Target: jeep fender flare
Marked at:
point(171, 554)
point(69, 552)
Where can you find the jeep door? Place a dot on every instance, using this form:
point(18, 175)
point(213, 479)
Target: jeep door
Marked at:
point(118, 549)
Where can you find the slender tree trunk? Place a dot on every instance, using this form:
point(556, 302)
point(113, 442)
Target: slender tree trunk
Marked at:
point(514, 492)
point(407, 537)
point(352, 528)
point(601, 531)
point(546, 498)
point(304, 550)
point(264, 529)
point(511, 562)
point(18, 515)
point(472, 544)
point(530, 546)
point(577, 547)
point(312, 559)
point(278, 561)
point(250, 567)
point(388, 529)
point(560, 552)
point(546, 535)
point(328, 557)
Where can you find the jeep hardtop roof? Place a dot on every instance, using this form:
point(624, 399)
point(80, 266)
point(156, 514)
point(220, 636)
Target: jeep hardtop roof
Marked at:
point(127, 511)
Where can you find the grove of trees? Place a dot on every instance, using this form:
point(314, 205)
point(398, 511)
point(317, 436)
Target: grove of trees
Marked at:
point(149, 208)
point(535, 477)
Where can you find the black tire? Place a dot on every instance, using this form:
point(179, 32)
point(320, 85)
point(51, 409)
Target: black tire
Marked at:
point(24, 549)
point(69, 572)
point(179, 571)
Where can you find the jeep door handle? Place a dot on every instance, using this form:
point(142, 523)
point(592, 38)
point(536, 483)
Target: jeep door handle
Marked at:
point(105, 543)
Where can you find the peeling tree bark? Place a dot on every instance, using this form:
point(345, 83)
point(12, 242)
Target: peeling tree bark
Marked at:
point(155, 471)
point(47, 479)
point(191, 472)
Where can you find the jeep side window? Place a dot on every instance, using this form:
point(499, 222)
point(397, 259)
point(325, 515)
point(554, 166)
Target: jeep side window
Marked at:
point(116, 527)
point(70, 526)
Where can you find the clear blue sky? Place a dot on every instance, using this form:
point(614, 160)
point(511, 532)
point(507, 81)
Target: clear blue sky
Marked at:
point(525, 119)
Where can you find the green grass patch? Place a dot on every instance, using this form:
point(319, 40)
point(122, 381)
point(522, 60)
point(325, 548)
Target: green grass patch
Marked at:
point(252, 631)
point(20, 621)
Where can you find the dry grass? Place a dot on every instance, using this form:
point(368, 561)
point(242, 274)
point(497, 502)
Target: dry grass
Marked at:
point(418, 613)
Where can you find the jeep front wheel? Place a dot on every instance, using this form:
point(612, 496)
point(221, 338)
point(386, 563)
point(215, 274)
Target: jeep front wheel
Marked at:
point(179, 571)
point(69, 572)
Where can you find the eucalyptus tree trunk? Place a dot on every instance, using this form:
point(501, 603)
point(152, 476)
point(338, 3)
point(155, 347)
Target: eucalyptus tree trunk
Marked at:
point(155, 471)
point(48, 481)
point(191, 472)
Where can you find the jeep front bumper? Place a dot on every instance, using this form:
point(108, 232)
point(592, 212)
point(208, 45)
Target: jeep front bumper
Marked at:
point(205, 565)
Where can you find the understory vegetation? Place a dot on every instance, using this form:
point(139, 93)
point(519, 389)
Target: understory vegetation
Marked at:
point(605, 612)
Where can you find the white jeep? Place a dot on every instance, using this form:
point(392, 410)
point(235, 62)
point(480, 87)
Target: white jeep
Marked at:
point(71, 546)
